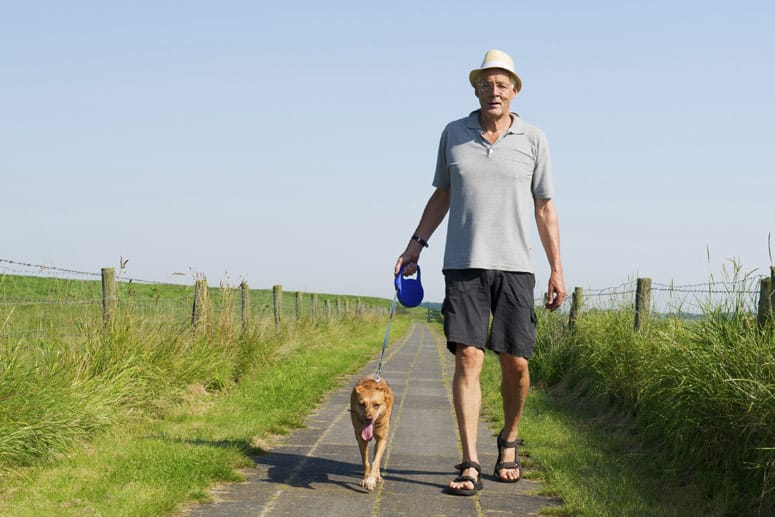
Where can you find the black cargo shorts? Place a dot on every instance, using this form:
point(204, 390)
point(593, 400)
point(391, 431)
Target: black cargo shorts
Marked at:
point(473, 296)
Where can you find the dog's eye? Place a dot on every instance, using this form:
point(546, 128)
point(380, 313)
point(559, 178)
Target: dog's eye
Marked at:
point(377, 405)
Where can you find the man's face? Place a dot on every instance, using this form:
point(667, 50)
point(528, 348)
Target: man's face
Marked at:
point(495, 91)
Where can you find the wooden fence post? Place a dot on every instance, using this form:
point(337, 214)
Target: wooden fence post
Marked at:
point(771, 296)
point(277, 299)
point(314, 307)
point(245, 305)
point(328, 310)
point(109, 298)
point(201, 310)
point(765, 301)
point(298, 305)
point(575, 307)
point(642, 301)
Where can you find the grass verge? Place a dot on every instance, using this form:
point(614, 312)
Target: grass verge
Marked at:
point(668, 420)
point(592, 458)
point(153, 463)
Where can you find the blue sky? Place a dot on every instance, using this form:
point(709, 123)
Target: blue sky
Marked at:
point(294, 143)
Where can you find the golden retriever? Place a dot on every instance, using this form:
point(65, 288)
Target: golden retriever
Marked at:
point(371, 405)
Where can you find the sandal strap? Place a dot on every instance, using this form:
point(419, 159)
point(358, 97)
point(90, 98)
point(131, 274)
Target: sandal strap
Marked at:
point(509, 445)
point(469, 465)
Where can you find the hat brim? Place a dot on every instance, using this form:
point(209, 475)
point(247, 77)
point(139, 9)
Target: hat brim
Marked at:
point(473, 77)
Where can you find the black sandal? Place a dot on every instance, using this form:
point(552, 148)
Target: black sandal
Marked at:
point(504, 465)
point(462, 479)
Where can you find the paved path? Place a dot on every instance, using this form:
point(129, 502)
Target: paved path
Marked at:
point(316, 470)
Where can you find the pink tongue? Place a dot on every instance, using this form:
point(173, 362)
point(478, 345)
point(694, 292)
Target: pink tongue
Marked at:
point(368, 432)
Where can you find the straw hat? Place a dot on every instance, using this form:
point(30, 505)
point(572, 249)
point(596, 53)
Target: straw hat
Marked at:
point(495, 59)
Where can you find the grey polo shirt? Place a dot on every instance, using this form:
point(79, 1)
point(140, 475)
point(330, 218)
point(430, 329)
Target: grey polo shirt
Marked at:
point(492, 188)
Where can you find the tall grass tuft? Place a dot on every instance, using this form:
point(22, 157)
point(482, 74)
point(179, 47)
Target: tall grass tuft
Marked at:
point(58, 390)
point(701, 391)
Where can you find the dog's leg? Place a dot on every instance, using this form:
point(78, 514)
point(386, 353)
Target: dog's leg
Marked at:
point(363, 446)
point(375, 476)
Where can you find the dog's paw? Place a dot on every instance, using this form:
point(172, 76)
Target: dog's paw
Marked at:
point(370, 482)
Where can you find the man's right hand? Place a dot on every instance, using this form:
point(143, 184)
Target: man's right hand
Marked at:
point(408, 258)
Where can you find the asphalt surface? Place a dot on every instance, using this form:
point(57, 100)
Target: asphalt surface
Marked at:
point(316, 470)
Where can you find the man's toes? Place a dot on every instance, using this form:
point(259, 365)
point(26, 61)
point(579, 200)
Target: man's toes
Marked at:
point(508, 474)
point(464, 485)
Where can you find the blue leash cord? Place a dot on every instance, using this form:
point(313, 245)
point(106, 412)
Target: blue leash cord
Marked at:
point(387, 333)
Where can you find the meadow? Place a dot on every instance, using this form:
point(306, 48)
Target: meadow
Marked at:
point(696, 395)
point(104, 419)
point(675, 418)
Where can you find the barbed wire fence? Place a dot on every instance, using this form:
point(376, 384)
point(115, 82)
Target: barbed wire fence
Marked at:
point(741, 294)
point(39, 302)
point(671, 298)
point(71, 301)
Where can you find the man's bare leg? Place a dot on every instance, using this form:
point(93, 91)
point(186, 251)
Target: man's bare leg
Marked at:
point(467, 396)
point(515, 384)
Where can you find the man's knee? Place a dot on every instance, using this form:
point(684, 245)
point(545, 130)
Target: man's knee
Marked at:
point(468, 356)
point(514, 365)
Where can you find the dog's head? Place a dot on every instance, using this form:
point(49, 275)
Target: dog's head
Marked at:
point(371, 399)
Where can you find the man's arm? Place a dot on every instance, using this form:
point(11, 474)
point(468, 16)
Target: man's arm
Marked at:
point(549, 231)
point(435, 210)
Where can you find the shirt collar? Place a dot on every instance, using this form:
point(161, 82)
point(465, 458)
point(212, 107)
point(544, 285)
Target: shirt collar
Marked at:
point(516, 127)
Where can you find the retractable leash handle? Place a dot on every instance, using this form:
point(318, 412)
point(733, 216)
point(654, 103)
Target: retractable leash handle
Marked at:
point(410, 293)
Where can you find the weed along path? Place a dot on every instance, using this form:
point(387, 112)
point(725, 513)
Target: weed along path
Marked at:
point(316, 470)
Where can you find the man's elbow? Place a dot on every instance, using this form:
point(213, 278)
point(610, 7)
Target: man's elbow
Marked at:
point(544, 208)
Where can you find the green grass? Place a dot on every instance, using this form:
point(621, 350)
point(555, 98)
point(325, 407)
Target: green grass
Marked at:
point(592, 457)
point(147, 415)
point(189, 438)
point(36, 309)
point(674, 419)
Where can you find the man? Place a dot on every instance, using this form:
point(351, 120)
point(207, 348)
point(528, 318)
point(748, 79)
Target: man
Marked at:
point(491, 170)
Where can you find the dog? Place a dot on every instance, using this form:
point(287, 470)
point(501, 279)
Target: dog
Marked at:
point(371, 406)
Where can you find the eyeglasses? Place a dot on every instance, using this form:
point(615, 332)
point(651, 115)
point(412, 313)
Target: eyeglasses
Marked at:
point(487, 87)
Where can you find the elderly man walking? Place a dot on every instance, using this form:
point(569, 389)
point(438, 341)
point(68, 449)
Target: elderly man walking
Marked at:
point(492, 171)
